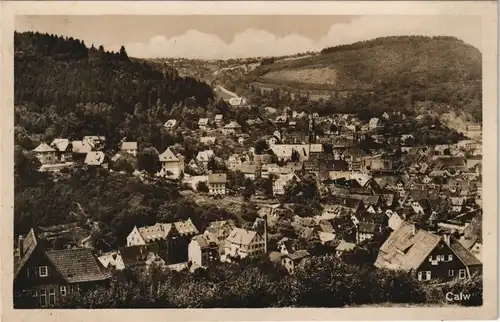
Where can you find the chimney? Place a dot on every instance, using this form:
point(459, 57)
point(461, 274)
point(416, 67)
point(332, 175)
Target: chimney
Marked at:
point(20, 245)
point(446, 238)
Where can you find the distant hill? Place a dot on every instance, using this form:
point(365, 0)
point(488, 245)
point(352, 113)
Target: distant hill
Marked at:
point(64, 88)
point(441, 69)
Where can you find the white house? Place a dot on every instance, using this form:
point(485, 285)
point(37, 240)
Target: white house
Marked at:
point(129, 148)
point(171, 165)
point(243, 243)
point(45, 153)
point(280, 183)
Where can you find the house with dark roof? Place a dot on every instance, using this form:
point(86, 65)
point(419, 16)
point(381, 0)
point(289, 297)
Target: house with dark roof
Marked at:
point(45, 277)
point(203, 250)
point(63, 147)
point(217, 184)
point(170, 241)
point(295, 259)
point(366, 231)
point(139, 257)
point(427, 255)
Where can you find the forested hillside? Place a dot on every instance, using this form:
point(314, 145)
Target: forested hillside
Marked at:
point(443, 70)
point(63, 88)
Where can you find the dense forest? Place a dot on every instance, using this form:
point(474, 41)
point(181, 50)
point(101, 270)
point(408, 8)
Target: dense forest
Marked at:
point(63, 88)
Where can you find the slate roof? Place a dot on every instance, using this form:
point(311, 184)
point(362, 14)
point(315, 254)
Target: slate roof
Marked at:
point(405, 249)
point(465, 255)
point(232, 125)
point(162, 230)
point(77, 265)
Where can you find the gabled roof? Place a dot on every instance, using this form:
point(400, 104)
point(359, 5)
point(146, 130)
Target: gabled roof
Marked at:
point(298, 255)
point(168, 156)
point(30, 243)
point(60, 144)
point(134, 255)
point(465, 255)
point(44, 147)
point(217, 178)
point(345, 246)
point(129, 146)
point(186, 227)
point(77, 265)
point(203, 121)
point(406, 248)
point(95, 158)
point(205, 241)
point(218, 117)
point(241, 236)
point(81, 146)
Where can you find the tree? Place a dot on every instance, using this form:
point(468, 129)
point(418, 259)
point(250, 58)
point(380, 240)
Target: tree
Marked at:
point(123, 165)
point(249, 189)
point(123, 53)
point(148, 161)
point(261, 147)
point(202, 186)
point(295, 156)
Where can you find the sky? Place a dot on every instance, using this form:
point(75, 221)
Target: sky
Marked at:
point(225, 37)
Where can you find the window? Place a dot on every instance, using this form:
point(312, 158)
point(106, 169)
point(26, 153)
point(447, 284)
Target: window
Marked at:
point(430, 258)
point(43, 297)
point(43, 271)
point(428, 275)
point(52, 296)
point(451, 272)
point(62, 290)
point(33, 272)
point(425, 276)
point(450, 258)
point(461, 273)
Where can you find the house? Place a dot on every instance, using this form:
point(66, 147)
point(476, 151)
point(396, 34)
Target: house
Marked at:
point(171, 165)
point(170, 124)
point(217, 184)
point(96, 142)
point(286, 245)
point(203, 251)
point(243, 243)
point(45, 153)
point(63, 147)
point(237, 101)
point(374, 123)
point(280, 183)
point(343, 247)
point(170, 241)
point(129, 148)
point(210, 140)
point(281, 120)
point(203, 123)
point(218, 120)
point(385, 115)
point(394, 221)
point(249, 170)
point(204, 156)
point(366, 231)
point(220, 229)
point(44, 277)
point(427, 255)
point(136, 257)
point(232, 128)
point(81, 147)
point(293, 260)
point(96, 158)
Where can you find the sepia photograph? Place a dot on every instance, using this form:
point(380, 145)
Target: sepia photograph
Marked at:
point(250, 161)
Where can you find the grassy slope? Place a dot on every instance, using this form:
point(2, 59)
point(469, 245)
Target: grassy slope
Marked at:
point(415, 61)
